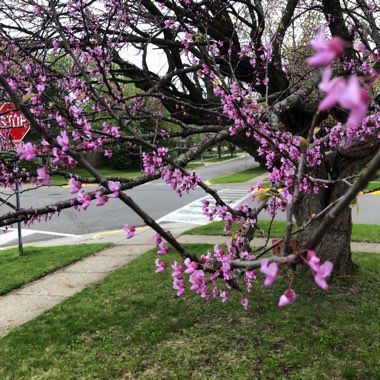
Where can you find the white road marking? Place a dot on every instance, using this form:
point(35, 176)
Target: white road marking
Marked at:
point(11, 234)
point(192, 213)
point(50, 233)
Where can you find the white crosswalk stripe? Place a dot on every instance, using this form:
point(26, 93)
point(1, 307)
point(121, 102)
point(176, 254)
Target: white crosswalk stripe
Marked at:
point(11, 234)
point(192, 213)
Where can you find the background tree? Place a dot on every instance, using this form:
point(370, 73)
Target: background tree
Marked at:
point(229, 70)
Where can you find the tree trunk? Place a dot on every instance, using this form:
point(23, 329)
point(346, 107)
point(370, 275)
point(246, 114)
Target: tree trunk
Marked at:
point(335, 245)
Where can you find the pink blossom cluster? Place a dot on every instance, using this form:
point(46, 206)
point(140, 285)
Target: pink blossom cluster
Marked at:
point(178, 281)
point(163, 247)
point(319, 272)
point(115, 187)
point(27, 152)
point(154, 161)
point(240, 107)
point(178, 182)
point(84, 199)
point(203, 277)
point(43, 176)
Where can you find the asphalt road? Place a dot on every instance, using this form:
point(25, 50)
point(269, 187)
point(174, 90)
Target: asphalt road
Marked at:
point(156, 198)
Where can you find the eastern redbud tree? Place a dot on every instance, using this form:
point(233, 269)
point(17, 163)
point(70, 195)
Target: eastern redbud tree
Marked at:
point(293, 83)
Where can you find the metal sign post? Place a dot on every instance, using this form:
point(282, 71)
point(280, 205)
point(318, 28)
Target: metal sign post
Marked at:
point(20, 247)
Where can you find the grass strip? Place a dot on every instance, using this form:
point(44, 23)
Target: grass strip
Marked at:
point(369, 233)
point(220, 159)
point(373, 185)
point(130, 326)
point(192, 165)
point(216, 228)
point(243, 176)
point(105, 171)
point(37, 262)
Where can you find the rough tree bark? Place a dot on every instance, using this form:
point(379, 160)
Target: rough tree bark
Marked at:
point(335, 245)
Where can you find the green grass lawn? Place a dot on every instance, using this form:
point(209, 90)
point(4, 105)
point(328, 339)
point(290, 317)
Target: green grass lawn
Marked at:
point(130, 326)
point(16, 270)
point(373, 185)
point(193, 165)
point(198, 164)
point(360, 232)
point(216, 228)
point(243, 176)
point(223, 158)
point(209, 159)
point(106, 171)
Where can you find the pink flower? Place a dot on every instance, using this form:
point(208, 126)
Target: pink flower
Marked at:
point(178, 282)
point(248, 277)
point(206, 259)
point(101, 198)
point(327, 50)
point(349, 94)
point(191, 266)
point(320, 272)
point(198, 281)
point(244, 303)
point(224, 296)
point(55, 45)
point(313, 260)
point(43, 175)
point(177, 270)
point(40, 88)
point(75, 185)
point(115, 132)
point(161, 265)
point(37, 10)
point(75, 111)
point(27, 151)
point(271, 271)
point(288, 298)
point(157, 239)
point(108, 153)
point(323, 272)
point(179, 285)
point(356, 99)
point(164, 249)
point(130, 230)
point(84, 198)
point(114, 187)
point(28, 69)
point(334, 89)
point(63, 141)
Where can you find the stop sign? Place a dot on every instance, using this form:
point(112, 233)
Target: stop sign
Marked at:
point(13, 124)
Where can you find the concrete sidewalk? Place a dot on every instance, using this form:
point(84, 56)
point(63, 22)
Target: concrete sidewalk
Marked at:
point(33, 299)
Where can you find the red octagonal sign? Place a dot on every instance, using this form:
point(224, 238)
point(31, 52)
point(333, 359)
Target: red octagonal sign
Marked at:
point(13, 124)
